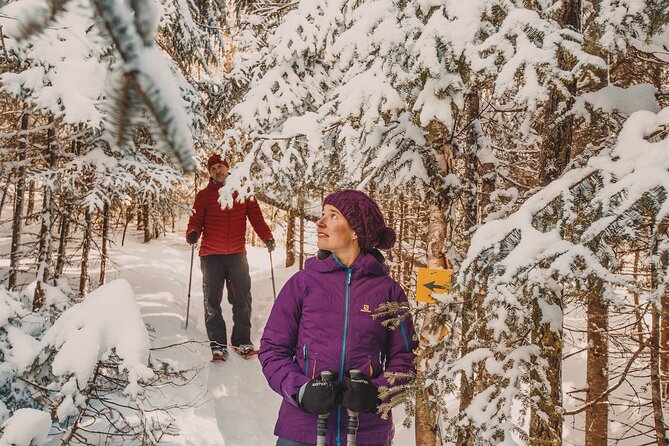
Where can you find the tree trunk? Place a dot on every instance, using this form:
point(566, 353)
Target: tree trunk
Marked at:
point(656, 392)
point(664, 330)
point(546, 428)
point(400, 238)
point(128, 219)
point(557, 144)
point(62, 241)
point(85, 253)
point(44, 257)
point(290, 238)
point(637, 311)
point(470, 307)
point(426, 417)
point(597, 415)
point(655, 370)
point(410, 261)
point(105, 245)
point(17, 221)
point(145, 223)
point(5, 192)
point(30, 207)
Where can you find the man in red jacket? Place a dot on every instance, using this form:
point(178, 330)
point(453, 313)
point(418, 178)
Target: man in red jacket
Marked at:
point(223, 259)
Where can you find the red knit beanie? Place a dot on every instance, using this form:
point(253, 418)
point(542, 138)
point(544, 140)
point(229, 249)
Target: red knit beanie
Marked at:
point(364, 216)
point(216, 159)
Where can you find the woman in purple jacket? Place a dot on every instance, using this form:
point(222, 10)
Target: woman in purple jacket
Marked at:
point(322, 321)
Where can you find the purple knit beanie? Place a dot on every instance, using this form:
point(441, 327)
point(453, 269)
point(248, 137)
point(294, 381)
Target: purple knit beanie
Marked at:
point(364, 216)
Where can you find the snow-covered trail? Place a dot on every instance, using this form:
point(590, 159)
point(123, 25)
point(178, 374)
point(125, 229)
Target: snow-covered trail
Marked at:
point(227, 403)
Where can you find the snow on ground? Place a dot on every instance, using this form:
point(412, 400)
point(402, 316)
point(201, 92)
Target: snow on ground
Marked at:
point(232, 405)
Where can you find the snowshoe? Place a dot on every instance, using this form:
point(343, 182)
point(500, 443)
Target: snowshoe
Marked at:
point(219, 354)
point(245, 350)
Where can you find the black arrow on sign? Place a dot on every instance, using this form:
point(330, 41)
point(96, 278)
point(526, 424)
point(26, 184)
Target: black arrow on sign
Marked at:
point(431, 286)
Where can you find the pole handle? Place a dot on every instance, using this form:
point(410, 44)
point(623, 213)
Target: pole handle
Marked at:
point(322, 424)
point(353, 422)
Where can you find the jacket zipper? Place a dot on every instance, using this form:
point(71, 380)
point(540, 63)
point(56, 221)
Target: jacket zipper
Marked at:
point(306, 360)
point(343, 344)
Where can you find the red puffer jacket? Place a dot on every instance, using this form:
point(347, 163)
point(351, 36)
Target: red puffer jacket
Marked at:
point(224, 231)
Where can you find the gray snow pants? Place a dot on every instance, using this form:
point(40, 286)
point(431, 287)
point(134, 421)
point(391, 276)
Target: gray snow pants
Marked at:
point(231, 270)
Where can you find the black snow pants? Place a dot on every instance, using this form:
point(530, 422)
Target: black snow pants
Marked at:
point(233, 271)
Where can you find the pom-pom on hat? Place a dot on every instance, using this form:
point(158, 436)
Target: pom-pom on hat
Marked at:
point(364, 216)
point(216, 159)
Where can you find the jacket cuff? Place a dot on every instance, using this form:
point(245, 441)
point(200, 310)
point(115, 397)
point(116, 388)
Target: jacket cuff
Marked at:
point(291, 390)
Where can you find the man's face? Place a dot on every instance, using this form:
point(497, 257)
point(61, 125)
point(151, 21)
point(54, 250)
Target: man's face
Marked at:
point(219, 172)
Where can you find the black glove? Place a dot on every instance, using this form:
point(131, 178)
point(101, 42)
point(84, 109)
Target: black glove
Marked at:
point(271, 244)
point(320, 397)
point(360, 395)
point(192, 237)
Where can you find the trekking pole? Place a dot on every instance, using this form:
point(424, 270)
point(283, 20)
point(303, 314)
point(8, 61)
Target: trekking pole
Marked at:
point(322, 425)
point(190, 280)
point(271, 267)
point(353, 421)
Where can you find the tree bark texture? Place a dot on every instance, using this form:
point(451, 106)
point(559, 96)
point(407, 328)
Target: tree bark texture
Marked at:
point(559, 126)
point(5, 192)
point(17, 220)
point(85, 253)
point(597, 415)
point(400, 237)
point(469, 208)
point(44, 256)
point(290, 238)
point(655, 388)
point(104, 255)
point(426, 417)
point(145, 223)
point(664, 344)
point(62, 241)
point(546, 428)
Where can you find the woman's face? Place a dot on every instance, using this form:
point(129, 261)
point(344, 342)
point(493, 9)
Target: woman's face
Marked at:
point(334, 232)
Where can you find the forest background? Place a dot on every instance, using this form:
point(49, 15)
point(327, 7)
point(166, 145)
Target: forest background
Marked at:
point(523, 144)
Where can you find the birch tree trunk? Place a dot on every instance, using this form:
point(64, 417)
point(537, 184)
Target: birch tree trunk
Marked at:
point(17, 220)
point(426, 418)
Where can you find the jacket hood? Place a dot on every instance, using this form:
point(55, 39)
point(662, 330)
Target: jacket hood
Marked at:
point(368, 263)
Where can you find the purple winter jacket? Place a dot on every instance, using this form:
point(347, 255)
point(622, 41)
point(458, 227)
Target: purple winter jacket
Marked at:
point(322, 320)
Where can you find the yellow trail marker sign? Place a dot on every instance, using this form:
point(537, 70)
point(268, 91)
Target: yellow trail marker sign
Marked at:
point(432, 281)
